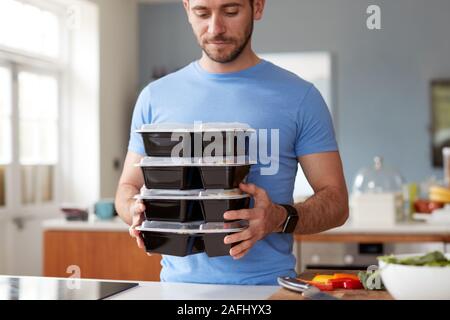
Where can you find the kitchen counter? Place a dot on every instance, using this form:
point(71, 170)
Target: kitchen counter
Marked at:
point(150, 290)
point(189, 291)
point(406, 232)
point(404, 228)
point(93, 224)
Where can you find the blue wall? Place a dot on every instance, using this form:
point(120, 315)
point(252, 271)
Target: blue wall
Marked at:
point(382, 77)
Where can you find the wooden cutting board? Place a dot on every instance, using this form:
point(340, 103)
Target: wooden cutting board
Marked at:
point(284, 294)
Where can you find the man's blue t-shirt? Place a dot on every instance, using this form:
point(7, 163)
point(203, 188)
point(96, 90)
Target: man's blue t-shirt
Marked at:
point(265, 97)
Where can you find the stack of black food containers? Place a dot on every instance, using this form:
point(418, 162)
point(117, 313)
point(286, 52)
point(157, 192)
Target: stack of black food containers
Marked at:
point(192, 174)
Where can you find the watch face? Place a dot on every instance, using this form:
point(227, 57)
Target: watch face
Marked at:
point(291, 224)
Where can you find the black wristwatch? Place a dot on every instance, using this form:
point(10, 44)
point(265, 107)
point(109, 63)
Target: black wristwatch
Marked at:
point(291, 220)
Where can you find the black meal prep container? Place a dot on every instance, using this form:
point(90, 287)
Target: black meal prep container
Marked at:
point(183, 239)
point(191, 205)
point(160, 138)
point(187, 174)
point(196, 139)
point(216, 202)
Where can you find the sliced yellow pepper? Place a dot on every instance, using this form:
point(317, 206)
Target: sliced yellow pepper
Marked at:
point(322, 278)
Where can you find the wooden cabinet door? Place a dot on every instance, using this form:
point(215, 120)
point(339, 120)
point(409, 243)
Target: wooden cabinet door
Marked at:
point(99, 255)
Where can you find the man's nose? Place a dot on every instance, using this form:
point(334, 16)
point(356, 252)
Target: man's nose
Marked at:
point(216, 25)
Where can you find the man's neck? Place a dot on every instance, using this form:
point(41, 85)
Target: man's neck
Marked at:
point(246, 60)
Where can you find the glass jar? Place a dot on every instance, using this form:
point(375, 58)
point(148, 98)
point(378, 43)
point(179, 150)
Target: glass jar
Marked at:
point(377, 179)
point(377, 193)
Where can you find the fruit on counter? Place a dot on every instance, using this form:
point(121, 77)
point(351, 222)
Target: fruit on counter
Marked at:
point(431, 259)
point(440, 189)
point(440, 194)
point(426, 206)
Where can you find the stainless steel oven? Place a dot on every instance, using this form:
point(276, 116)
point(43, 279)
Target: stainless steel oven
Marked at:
point(353, 256)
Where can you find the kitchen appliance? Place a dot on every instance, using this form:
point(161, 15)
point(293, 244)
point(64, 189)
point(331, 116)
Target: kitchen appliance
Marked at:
point(353, 256)
point(377, 196)
point(40, 288)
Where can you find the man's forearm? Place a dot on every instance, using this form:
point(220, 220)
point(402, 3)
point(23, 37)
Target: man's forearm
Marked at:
point(325, 210)
point(124, 200)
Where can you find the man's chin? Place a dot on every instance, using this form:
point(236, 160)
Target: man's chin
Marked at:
point(220, 57)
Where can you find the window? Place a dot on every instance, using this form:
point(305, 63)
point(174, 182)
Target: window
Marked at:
point(28, 28)
point(5, 129)
point(38, 132)
point(30, 71)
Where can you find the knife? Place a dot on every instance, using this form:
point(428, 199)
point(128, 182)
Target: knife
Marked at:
point(307, 290)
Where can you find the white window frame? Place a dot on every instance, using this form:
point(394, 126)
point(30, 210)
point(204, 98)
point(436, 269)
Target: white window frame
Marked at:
point(17, 60)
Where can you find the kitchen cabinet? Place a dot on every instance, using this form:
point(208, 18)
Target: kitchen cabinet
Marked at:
point(97, 254)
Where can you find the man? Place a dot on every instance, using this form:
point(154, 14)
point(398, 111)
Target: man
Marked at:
point(230, 83)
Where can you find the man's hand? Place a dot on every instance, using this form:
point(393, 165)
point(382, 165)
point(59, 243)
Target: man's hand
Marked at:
point(137, 209)
point(265, 218)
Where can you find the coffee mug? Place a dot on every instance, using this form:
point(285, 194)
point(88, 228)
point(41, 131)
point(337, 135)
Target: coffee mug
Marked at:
point(104, 209)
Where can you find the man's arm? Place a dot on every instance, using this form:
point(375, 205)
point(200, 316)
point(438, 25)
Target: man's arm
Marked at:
point(328, 207)
point(130, 210)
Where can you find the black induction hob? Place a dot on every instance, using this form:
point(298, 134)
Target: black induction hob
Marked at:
point(42, 288)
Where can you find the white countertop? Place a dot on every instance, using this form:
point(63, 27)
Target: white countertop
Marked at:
point(189, 291)
point(118, 225)
point(151, 290)
point(413, 227)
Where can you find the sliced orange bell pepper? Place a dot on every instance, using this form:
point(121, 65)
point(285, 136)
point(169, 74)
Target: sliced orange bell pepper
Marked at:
point(336, 281)
point(345, 275)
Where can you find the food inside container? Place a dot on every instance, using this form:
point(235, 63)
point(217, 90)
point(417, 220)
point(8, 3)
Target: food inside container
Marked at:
point(185, 174)
point(191, 205)
point(196, 140)
point(182, 239)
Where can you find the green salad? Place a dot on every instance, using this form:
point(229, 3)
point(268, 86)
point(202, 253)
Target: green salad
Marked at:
point(432, 259)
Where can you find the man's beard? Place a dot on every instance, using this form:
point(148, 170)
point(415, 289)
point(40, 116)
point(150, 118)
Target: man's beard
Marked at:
point(233, 55)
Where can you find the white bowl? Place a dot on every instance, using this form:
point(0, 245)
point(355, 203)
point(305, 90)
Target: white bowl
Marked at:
point(405, 282)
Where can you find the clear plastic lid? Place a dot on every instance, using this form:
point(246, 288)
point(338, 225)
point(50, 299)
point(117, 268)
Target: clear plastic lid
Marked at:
point(223, 126)
point(197, 194)
point(196, 127)
point(199, 227)
point(194, 162)
point(378, 178)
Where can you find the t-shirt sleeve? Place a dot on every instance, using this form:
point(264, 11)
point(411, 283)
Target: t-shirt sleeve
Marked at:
point(141, 115)
point(315, 127)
